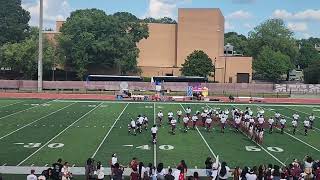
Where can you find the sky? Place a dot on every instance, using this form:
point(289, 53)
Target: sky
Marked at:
point(241, 16)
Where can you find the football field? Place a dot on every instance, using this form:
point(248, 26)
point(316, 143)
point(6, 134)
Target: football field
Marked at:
point(38, 132)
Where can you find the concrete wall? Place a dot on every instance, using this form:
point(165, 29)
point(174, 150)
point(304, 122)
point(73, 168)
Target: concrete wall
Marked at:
point(200, 29)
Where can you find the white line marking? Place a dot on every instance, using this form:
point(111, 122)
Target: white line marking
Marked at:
point(303, 113)
point(35, 121)
point(73, 165)
point(46, 165)
point(204, 140)
point(290, 134)
point(4, 164)
point(58, 134)
point(105, 137)
point(32, 165)
point(129, 145)
point(11, 104)
point(21, 111)
point(196, 103)
point(154, 144)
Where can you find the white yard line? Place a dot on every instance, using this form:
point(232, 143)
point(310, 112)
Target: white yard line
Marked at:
point(292, 135)
point(23, 110)
point(155, 144)
point(35, 121)
point(58, 134)
point(304, 113)
point(10, 104)
point(260, 146)
point(196, 103)
point(204, 140)
point(105, 137)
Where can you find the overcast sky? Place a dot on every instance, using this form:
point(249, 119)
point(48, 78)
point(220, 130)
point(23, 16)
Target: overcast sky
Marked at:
point(301, 16)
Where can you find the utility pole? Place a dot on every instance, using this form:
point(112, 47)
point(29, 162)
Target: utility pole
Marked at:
point(40, 47)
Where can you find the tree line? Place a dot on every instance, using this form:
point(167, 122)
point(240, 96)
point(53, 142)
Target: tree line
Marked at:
point(92, 38)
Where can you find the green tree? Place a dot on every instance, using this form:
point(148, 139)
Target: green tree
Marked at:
point(197, 63)
point(164, 20)
point(91, 37)
point(312, 73)
point(271, 65)
point(13, 21)
point(307, 55)
point(272, 37)
point(274, 34)
point(23, 57)
point(239, 42)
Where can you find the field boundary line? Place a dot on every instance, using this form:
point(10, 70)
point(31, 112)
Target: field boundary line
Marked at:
point(190, 103)
point(24, 110)
point(291, 135)
point(105, 137)
point(36, 121)
point(204, 140)
point(59, 134)
point(154, 144)
point(306, 114)
point(10, 104)
point(274, 157)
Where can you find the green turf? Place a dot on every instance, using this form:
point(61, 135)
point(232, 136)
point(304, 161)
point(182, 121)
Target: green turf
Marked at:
point(98, 129)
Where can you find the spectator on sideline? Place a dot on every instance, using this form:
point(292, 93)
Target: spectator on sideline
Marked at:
point(160, 172)
point(134, 163)
point(31, 176)
point(261, 172)
point(196, 176)
point(224, 171)
point(66, 172)
point(184, 167)
point(276, 172)
point(244, 173)
point(90, 169)
point(117, 173)
point(251, 175)
point(48, 173)
point(236, 173)
point(169, 176)
point(56, 173)
point(100, 173)
point(134, 174)
point(208, 163)
point(42, 176)
point(142, 171)
point(150, 171)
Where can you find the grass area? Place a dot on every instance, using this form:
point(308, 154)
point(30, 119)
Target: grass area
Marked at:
point(38, 132)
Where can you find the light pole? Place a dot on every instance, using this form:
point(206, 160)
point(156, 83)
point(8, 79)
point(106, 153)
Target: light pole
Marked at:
point(225, 65)
point(40, 48)
point(214, 77)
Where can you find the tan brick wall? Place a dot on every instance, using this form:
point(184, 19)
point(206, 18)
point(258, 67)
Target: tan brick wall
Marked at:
point(160, 48)
point(149, 71)
point(234, 65)
point(200, 29)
